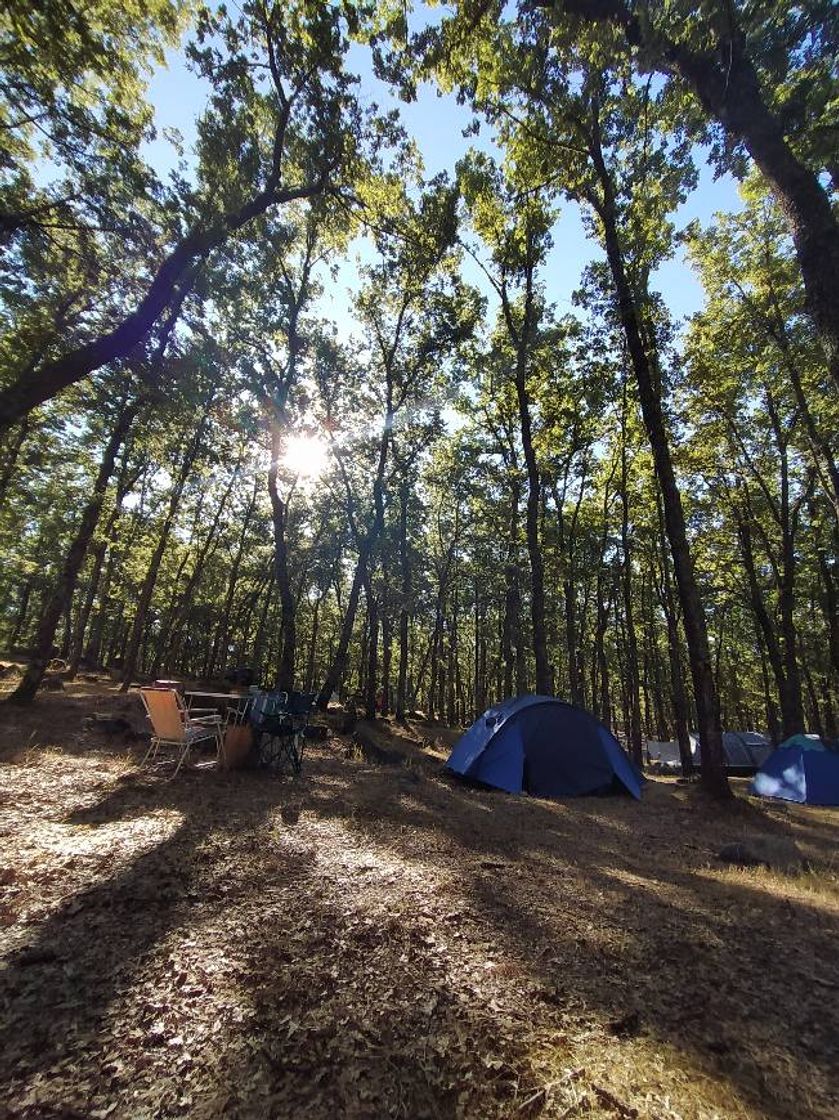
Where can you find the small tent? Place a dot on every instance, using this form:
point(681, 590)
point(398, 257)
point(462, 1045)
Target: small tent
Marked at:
point(664, 755)
point(802, 770)
point(805, 741)
point(543, 746)
point(744, 751)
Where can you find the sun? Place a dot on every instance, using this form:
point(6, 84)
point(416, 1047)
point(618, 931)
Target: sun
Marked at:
point(305, 456)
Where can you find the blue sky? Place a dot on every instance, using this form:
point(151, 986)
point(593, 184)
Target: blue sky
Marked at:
point(436, 124)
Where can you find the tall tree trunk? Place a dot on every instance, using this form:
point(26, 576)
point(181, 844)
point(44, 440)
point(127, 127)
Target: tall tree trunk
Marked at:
point(512, 647)
point(11, 454)
point(678, 696)
point(335, 673)
point(534, 545)
point(404, 603)
point(61, 596)
point(632, 680)
point(135, 636)
point(258, 651)
point(792, 708)
point(366, 544)
point(569, 599)
point(816, 722)
point(125, 481)
point(77, 648)
point(222, 636)
point(279, 515)
point(372, 653)
point(707, 704)
point(174, 623)
point(387, 650)
point(313, 645)
point(831, 612)
point(603, 699)
point(451, 680)
point(765, 626)
point(22, 611)
point(479, 692)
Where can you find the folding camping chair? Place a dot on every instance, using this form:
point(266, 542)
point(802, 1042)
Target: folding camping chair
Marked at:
point(173, 725)
point(280, 720)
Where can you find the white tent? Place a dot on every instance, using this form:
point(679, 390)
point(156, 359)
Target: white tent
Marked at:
point(665, 756)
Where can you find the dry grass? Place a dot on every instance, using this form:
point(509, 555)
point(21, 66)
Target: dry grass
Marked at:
point(371, 941)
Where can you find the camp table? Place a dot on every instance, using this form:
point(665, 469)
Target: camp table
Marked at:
point(234, 706)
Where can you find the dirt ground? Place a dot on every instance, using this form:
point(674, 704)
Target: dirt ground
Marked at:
point(373, 940)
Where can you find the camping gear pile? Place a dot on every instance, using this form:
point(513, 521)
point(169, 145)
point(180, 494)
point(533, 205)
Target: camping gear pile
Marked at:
point(280, 721)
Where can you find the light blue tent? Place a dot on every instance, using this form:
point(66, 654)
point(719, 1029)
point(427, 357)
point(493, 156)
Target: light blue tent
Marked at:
point(543, 746)
point(802, 770)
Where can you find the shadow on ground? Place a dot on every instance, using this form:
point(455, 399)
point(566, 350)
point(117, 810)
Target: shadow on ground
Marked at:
point(381, 941)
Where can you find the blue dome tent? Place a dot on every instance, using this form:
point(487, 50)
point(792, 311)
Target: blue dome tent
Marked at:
point(802, 769)
point(543, 746)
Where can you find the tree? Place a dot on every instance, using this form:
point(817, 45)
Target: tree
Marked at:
point(764, 75)
point(261, 145)
point(58, 601)
point(602, 123)
point(516, 233)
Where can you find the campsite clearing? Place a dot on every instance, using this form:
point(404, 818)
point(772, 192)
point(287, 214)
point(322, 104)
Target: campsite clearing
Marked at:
point(381, 940)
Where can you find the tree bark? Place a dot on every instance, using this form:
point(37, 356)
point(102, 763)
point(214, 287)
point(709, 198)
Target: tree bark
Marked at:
point(22, 611)
point(313, 645)
point(366, 544)
point(222, 636)
point(512, 647)
point(372, 654)
point(387, 642)
point(681, 712)
point(632, 681)
point(279, 516)
point(11, 455)
point(174, 624)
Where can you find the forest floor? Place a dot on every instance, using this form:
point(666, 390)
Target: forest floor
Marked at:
point(375, 940)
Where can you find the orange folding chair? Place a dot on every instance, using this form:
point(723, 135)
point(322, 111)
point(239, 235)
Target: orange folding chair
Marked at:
point(172, 725)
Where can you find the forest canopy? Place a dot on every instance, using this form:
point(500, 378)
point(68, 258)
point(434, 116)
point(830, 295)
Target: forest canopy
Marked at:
point(286, 399)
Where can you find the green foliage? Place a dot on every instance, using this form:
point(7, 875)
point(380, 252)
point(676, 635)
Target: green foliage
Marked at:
point(428, 467)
